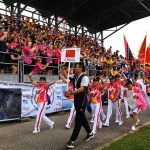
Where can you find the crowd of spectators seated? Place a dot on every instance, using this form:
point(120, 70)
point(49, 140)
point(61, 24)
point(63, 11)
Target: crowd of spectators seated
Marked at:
point(26, 40)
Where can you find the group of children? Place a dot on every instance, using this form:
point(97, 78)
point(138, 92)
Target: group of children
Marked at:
point(118, 89)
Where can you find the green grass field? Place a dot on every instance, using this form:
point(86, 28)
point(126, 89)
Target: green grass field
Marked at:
point(139, 140)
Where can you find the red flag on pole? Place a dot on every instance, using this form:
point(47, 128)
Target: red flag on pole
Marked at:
point(128, 53)
point(147, 61)
point(70, 53)
point(142, 52)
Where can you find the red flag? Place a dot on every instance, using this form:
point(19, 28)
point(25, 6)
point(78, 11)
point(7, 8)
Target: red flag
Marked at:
point(70, 53)
point(128, 53)
point(142, 52)
point(147, 61)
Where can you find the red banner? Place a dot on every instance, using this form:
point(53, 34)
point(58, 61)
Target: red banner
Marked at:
point(142, 52)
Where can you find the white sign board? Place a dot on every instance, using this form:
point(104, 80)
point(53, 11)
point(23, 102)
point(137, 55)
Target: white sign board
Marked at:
point(70, 55)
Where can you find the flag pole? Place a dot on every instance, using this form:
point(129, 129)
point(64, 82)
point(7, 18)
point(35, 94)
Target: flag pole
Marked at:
point(68, 76)
point(145, 54)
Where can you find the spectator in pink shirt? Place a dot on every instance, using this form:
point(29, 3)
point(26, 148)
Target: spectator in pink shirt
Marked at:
point(39, 66)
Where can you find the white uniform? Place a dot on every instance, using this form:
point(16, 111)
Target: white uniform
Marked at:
point(71, 116)
point(148, 96)
point(116, 105)
point(96, 105)
point(124, 90)
point(41, 115)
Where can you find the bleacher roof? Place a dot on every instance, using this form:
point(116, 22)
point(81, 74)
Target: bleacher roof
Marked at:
point(96, 15)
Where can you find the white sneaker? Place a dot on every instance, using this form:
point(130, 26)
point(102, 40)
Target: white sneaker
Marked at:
point(117, 121)
point(137, 122)
point(68, 127)
point(100, 125)
point(133, 128)
point(127, 117)
point(91, 121)
point(120, 123)
point(94, 132)
point(106, 124)
point(52, 125)
point(35, 131)
point(103, 118)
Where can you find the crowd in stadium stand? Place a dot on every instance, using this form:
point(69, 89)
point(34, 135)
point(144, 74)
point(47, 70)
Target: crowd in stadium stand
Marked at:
point(27, 40)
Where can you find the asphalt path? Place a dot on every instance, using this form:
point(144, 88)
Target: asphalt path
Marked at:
point(18, 136)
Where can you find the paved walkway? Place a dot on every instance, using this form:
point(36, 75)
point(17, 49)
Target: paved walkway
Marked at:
point(19, 136)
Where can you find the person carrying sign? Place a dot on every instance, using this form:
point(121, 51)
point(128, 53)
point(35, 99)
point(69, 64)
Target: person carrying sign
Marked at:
point(80, 83)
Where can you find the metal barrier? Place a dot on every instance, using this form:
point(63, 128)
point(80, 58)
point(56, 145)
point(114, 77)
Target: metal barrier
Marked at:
point(21, 65)
point(2, 59)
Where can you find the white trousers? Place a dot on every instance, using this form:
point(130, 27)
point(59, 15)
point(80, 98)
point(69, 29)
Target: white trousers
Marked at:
point(41, 115)
point(71, 116)
point(126, 106)
point(148, 100)
point(116, 105)
point(96, 112)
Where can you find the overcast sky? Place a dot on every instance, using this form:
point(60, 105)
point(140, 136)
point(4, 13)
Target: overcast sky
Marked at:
point(134, 32)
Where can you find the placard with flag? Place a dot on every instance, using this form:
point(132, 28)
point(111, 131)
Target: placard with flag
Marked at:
point(128, 53)
point(70, 55)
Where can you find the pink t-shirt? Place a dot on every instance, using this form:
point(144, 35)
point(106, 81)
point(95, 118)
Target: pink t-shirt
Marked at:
point(42, 92)
point(36, 68)
point(26, 50)
point(13, 45)
point(48, 52)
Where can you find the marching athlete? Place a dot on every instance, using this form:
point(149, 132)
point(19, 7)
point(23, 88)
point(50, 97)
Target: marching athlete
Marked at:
point(96, 103)
point(63, 75)
point(42, 100)
point(111, 103)
point(135, 101)
point(114, 90)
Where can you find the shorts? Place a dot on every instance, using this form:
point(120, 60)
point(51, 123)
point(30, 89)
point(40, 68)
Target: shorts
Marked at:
point(135, 110)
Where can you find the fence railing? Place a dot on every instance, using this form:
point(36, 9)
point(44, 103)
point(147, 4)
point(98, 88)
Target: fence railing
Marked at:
point(22, 66)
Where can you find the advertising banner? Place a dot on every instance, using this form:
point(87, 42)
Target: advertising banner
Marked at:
point(18, 100)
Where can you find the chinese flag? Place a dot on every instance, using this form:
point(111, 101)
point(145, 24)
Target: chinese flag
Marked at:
point(147, 61)
point(128, 53)
point(70, 53)
point(142, 52)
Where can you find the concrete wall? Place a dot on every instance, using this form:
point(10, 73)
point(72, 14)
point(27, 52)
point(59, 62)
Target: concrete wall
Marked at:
point(14, 78)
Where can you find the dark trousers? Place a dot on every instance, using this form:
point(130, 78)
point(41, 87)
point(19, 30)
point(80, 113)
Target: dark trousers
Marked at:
point(80, 120)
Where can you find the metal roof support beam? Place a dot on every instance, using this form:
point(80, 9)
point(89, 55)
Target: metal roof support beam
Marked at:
point(25, 6)
point(74, 10)
point(102, 40)
point(110, 10)
point(79, 29)
point(115, 31)
point(66, 4)
point(82, 30)
point(75, 30)
point(11, 9)
point(56, 22)
point(18, 11)
point(140, 2)
point(105, 17)
point(52, 21)
point(126, 13)
point(98, 36)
